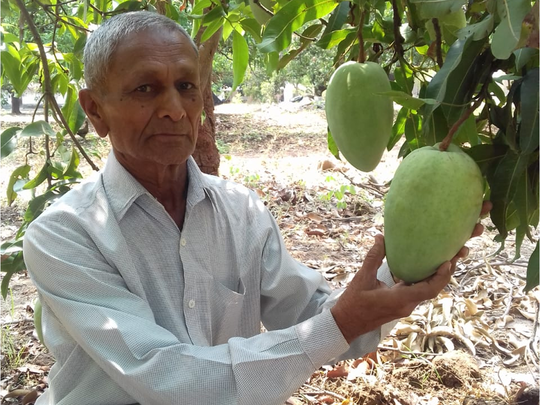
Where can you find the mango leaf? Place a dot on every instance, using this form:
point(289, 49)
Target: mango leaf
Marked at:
point(533, 271)
point(523, 56)
point(215, 14)
point(40, 178)
point(253, 27)
point(8, 141)
point(404, 77)
point(406, 100)
point(413, 131)
point(10, 266)
point(337, 18)
point(427, 9)
point(11, 246)
point(398, 129)
point(528, 131)
point(503, 180)
point(333, 38)
point(38, 128)
point(462, 81)
point(309, 34)
point(19, 173)
point(479, 31)
point(332, 147)
point(525, 202)
point(73, 111)
point(507, 33)
point(486, 155)
point(71, 169)
point(435, 127)
point(278, 32)
point(240, 58)
point(212, 28)
point(37, 205)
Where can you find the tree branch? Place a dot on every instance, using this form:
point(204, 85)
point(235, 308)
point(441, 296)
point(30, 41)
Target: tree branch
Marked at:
point(47, 80)
point(398, 39)
point(361, 51)
point(438, 41)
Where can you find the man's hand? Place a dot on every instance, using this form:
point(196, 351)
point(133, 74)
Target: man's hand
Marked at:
point(368, 303)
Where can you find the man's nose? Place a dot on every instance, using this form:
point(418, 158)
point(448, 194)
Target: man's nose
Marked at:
point(171, 105)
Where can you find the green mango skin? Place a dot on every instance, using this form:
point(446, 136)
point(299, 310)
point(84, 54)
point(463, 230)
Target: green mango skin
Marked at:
point(261, 15)
point(431, 209)
point(360, 120)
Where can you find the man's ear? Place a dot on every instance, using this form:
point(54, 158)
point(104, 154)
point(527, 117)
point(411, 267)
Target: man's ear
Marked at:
point(90, 103)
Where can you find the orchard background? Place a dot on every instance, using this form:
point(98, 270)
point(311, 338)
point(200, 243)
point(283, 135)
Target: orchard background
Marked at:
point(461, 69)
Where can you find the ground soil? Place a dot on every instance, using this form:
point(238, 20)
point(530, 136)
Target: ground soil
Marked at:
point(477, 343)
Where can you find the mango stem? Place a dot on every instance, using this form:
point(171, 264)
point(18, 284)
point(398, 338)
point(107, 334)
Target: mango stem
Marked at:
point(466, 114)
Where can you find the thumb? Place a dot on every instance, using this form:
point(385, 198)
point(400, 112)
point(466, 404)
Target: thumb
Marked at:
point(375, 256)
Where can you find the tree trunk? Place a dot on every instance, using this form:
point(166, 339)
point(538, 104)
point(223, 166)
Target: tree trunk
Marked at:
point(15, 104)
point(206, 153)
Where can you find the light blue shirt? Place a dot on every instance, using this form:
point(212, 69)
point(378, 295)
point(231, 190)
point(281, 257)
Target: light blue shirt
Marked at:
point(137, 311)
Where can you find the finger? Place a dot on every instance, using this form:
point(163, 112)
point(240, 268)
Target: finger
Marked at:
point(432, 286)
point(486, 207)
point(477, 231)
point(375, 255)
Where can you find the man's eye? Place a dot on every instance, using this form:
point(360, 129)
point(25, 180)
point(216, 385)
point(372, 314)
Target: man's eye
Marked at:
point(145, 88)
point(185, 86)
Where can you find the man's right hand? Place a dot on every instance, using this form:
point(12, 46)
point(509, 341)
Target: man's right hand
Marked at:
point(368, 303)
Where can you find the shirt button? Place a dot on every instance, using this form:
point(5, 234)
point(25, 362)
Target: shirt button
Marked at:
point(191, 304)
point(183, 242)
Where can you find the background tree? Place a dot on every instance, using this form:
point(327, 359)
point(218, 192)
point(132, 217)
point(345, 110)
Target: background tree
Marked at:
point(462, 71)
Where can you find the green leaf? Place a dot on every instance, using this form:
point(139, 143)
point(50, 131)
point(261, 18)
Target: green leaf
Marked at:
point(528, 131)
point(333, 38)
point(406, 100)
point(532, 271)
point(10, 266)
point(486, 155)
point(332, 147)
point(437, 86)
point(8, 141)
point(507, 33)
point(404, 77)
point(436, 8)
point(398, 129)
point(73, 111)
point(38, 128)
point(253, 27)
point(337, 18)
point(525, 202)
point(413, 130)
point(240, 58)
point(11, 246)
point(503, 180)
point(308, 36)
point(40, 178)
point(215, 14)
point(37, 205)
point(19, 173)
point(212, 28)
point(523, 56)
point(71, 169)
point(479, 31)
point(278, 32)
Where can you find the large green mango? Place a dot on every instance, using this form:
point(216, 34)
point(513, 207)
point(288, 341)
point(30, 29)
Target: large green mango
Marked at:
point(430, 211)
point(359, 119)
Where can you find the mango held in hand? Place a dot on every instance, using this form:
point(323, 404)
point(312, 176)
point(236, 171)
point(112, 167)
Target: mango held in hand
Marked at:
point(430, 211)
point(359, 119)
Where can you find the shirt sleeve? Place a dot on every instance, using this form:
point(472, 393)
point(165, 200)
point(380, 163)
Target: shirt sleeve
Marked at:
point(117, 330)
point(292, 293)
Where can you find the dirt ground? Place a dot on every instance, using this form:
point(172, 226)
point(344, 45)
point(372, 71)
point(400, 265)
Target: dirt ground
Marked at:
point(477, 343)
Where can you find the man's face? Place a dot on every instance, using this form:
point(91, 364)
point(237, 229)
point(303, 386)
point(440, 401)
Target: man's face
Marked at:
point(151, 103)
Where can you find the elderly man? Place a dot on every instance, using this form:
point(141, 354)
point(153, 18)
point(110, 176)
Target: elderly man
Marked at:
point(155, 278)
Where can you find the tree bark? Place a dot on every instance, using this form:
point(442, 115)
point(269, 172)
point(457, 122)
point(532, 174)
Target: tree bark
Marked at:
point(206, 153)
point(15, 104)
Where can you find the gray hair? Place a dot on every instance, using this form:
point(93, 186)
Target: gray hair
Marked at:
point(103, 42)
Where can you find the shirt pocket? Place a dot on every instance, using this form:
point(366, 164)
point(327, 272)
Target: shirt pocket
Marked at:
point(226, 312)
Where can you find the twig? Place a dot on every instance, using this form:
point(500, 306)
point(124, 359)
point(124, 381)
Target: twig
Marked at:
point(24, 320)
point(47, 81)
point(257, 2)
point(361, 51)
point(321, 391)
point(398, 39)
point(438, 41)
point(448, 139)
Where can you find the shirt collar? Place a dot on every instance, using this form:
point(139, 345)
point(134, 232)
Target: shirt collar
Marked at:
point(123, 189)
